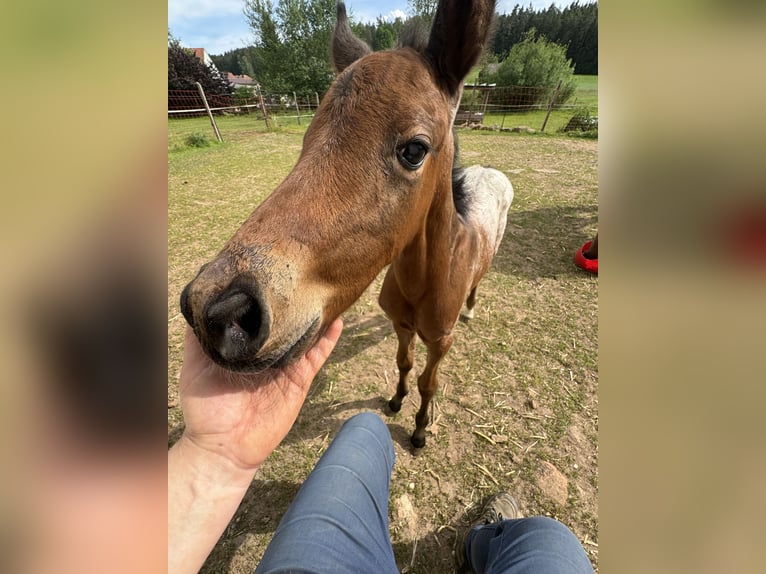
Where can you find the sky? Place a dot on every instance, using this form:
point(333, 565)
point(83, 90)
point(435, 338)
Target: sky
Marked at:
point(220, 25)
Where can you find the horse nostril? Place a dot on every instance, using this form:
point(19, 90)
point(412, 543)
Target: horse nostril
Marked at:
point(237, 324)
point(250, 321)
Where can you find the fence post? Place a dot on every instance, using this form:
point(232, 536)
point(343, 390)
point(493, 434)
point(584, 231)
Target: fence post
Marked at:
point(263, 107)
point(550, 105)
point(209, 113)
point(317, 97)
point(297, 109)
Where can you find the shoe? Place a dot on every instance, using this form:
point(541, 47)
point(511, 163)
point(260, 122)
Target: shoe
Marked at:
point(501, 506)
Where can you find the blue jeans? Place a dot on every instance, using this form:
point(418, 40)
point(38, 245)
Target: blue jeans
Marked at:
point(534, 545)
point(338, 522)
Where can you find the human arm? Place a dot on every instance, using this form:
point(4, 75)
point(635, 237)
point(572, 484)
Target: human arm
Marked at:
point(233, 422)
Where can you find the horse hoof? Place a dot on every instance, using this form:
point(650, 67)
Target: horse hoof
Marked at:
point(418, 442)
point(395, 406)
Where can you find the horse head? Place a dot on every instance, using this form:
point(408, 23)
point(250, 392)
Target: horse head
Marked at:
point(376, 159)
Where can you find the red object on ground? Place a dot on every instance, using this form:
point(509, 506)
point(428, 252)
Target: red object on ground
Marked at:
point(743, 234)
point(589, 265)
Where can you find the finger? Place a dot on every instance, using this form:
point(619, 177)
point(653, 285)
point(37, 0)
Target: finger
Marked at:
point(333, 332)
point(194, 359)
point(304, 371)
point(190, 339)
point(319, 353)
point(192, 348)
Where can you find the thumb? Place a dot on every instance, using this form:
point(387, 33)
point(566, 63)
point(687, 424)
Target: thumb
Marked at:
point(318, 354)
point(304, 371)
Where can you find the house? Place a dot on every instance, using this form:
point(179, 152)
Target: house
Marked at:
point(238, 82)
point(203, 57)
point(242, 81)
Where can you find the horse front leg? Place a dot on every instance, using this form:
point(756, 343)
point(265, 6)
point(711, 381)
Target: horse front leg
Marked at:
point(427, 385)
point(404, 361)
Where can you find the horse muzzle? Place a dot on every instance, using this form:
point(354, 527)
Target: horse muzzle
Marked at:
point(232, 325)
point(247, 319)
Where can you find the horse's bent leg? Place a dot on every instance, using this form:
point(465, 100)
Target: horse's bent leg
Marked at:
point(427, 384)
point(404, 362)
point(469, 305)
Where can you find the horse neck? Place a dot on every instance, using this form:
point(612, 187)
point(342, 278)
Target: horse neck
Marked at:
point(427, 256)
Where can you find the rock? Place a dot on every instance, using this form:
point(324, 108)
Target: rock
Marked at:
point(406, 515)
point(552, 483)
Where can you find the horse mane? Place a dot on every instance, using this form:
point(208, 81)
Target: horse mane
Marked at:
point(461, 193)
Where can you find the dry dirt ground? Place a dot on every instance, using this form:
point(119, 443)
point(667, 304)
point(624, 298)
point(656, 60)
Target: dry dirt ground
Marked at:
point(517, 408)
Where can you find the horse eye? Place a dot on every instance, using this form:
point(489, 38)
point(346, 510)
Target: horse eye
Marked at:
point(412, 154)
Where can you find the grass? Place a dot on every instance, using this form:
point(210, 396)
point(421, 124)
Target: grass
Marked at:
point(230, 126)
point(523, 372)
point(586, 94)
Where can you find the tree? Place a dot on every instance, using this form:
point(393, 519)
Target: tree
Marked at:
point(184, 69)
point(575, 27)
point(535, 62)
point(364, 31)
point(232, 61)
point(579, 31)
point(292, 39)
point(384, 35)
point(423, 9)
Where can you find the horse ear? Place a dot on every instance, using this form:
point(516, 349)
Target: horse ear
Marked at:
point(346, 48)
point(458, 35)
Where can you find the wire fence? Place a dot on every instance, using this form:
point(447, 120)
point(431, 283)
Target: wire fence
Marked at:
point(190, 103)
point(513, 108)
point(492, 107)
point(191, 113)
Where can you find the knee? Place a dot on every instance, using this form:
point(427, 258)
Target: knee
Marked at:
point(545, 527)
point(369, 421)
point(544, 532)
point(371, 425)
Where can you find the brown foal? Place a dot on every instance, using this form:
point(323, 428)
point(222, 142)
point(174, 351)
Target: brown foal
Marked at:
point(375, 184)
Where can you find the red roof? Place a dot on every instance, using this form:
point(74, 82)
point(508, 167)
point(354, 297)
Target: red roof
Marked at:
point(241, 80)
point(200, 53)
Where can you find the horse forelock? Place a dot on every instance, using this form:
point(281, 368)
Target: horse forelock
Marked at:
point(382, 94)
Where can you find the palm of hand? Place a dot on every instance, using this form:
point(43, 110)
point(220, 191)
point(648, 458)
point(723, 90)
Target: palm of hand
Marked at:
point(241, 416)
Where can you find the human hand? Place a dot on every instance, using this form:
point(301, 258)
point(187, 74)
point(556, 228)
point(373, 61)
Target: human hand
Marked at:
point(242, 417)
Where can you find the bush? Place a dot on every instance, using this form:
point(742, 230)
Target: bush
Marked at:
point(535, 62)
point(196, 139)
point(582, 124)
